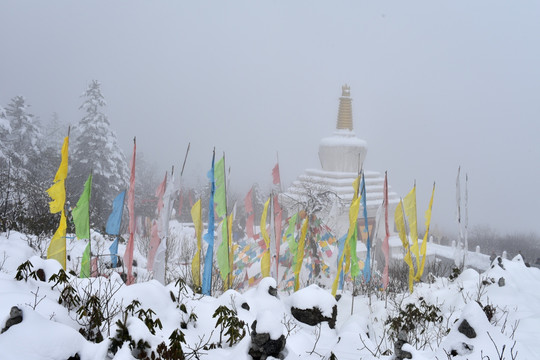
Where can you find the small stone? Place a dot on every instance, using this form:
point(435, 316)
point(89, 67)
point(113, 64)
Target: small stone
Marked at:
point(262, 346)
point(40, 274)
point(501, 282)
point(466, 329)
point(399, 353)
point(15, 317)
point(272, 291)
point(314, 316)
point(245, 306)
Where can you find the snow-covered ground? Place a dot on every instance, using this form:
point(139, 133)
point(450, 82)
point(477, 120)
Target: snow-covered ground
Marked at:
point(50, 330)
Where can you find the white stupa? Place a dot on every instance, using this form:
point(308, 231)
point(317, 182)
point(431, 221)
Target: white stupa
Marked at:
point(342, 157)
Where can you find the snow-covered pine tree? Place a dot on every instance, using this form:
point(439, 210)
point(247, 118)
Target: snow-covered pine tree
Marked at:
point(26, 171)
point(25, 137)
point(95, 148)
point(5, 131)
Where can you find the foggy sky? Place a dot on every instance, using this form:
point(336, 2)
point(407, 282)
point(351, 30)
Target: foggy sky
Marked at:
point(434, 85)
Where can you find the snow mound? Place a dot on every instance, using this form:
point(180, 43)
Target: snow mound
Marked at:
point(38, 338)
point(311, 297)
point(268, 323)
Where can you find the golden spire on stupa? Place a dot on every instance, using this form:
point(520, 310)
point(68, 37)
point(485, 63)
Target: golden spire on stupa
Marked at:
point(344, 120)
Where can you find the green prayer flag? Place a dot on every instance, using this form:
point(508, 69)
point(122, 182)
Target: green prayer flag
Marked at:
point(81, 213)
point(223, 252)
point(355, 268)
point(219, 195)
point(85, 263)
point(289, 237)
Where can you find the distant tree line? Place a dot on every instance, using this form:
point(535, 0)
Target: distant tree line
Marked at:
point(491, 241)
point(30, 155)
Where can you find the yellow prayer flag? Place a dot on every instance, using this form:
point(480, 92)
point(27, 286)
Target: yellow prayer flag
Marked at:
point(336, 280)
point(400, 226)
point(409, 203)
point(300, 254)
point(61, 174)
point(196, 262)
point(57, 247)
point(424, 241)
point(265, 261)
point(57, 192)
point(356, 186)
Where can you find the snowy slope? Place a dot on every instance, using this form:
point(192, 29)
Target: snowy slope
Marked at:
point(50, 330)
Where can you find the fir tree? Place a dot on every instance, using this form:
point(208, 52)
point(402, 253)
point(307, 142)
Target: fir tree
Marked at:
point(26, 171)
point(96, 150)
point(25, 137)
point(5, 132)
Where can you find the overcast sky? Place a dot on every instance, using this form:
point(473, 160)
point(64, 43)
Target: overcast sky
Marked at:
point(434, 85)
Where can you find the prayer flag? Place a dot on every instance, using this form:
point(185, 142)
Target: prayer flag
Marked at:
point(113, 249)
point(300, 255)
point(277, 231)
point(57, 192)
point(163, 231)
point(367, 270)
point(81, 213)
point(399, 219)
point(57, 247)
point(220, 195)
point(409, 203)
point(275, 175)
point(61, 173)
point(128, 255)
point(265, 261)
point(115, 218)
point(209, 236)
point(154, 243)
point(352, 236)
point(248, 203)
point(425, 240)
point(385, 245)
point(85, 262)
point(197, 223)
point(223, 250)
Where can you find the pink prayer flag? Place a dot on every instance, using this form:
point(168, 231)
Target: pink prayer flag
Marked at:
point(154, 244)
point(275, 175)
point(94, 267)
point(128, 255)
point(248, 203)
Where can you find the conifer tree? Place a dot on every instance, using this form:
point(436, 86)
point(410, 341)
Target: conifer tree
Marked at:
point(95, 149)
point(26, 171)
point(25, 138)
point(5, 132)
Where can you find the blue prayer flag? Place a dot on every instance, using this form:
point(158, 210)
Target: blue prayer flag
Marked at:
point(209, 236)
point(341, 248)
point(114, 252)
point(115, 219)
